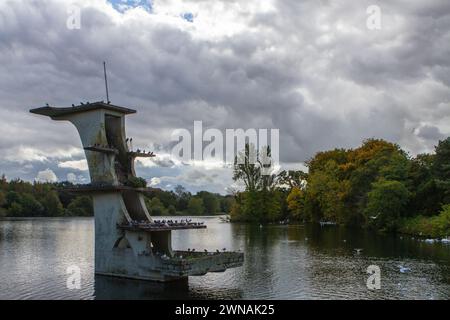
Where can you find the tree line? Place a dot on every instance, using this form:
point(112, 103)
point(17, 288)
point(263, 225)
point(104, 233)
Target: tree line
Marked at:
point(182, 202)
point(20, 198)
point(377, 185)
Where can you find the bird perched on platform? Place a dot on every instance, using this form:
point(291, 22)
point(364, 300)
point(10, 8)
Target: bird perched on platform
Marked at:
point(206, 251)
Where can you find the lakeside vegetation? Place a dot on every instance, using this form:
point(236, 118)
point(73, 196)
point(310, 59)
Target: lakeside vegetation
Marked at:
point(20, 198)
point(377, 186)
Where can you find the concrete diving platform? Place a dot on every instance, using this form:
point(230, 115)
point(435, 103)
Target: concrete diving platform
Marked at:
point(129, 243)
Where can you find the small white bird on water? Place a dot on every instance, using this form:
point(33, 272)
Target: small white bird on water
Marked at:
point(358, 250)
point(404, 269)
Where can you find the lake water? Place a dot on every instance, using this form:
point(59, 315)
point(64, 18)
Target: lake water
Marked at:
point(281, 262)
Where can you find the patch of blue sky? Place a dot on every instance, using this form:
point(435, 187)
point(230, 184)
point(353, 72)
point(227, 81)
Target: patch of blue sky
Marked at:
point(188, 16)
point(124, 5)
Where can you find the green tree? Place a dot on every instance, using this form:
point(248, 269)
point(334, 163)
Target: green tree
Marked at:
point(226, 203)
point(195, 206)
point(12, 197)
point(210, 202)
point(156, 207)
point(15, 210)
point(52, 205)
point(81, 206)
point(295, 201)
point(426, 197)
point(171, 210)
point(183, 196)
point(387, 202)
point(30, 206)
point(441, 169)
point(2, 198)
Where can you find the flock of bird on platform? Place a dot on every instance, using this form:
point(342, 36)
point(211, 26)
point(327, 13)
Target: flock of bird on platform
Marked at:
point(164, 223)
point(128, 142)
point(189, 253)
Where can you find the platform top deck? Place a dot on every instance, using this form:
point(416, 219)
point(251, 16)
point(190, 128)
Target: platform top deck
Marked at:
point(58, 111)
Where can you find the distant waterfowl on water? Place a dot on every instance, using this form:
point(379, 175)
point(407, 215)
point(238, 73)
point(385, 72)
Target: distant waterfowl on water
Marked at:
point(404, 269)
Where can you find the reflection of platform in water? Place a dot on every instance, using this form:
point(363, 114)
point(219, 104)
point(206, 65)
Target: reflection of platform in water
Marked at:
point(113, 288)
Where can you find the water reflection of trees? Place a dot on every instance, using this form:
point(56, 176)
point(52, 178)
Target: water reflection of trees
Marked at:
point(261, 246)
point(335, 240)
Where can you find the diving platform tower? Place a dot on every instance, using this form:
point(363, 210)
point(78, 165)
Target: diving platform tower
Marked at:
point(128, 242)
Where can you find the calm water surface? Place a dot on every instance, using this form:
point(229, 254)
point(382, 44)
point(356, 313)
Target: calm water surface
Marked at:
point(281, 262)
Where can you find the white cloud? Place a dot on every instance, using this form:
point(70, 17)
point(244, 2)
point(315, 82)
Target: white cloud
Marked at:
point(154, 181)
point(71, 177)
point(46, 176)
point(74, 164)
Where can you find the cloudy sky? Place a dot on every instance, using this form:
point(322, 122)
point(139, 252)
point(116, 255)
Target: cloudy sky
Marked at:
point(313, 69)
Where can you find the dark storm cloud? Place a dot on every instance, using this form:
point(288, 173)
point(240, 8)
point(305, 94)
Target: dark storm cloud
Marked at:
point(310, 68)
